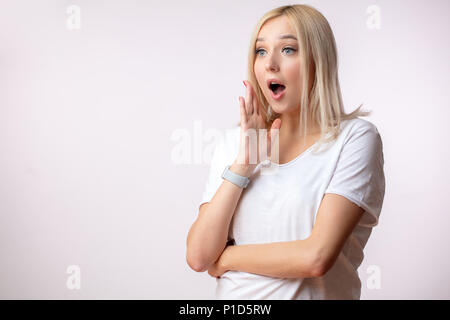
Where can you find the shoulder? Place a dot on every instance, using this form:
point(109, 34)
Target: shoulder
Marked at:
point(361, 125)
point(364, 139)
point(360, 135)
point(359, 129)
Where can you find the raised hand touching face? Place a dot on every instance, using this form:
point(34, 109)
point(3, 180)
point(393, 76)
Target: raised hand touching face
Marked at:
point(252, 119)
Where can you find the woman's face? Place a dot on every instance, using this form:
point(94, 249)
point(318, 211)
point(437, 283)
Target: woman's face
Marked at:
point(279, 59)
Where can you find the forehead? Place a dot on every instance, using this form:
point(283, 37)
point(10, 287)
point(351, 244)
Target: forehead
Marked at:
point(275, 27)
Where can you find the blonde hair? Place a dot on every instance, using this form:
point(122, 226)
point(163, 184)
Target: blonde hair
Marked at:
point(317, 49)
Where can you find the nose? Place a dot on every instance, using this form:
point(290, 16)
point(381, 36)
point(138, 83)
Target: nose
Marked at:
point(272, 64)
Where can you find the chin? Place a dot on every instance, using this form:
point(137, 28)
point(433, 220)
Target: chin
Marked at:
point(281, 108)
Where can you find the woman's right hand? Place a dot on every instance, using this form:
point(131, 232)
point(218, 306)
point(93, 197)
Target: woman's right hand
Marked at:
point(252, 118)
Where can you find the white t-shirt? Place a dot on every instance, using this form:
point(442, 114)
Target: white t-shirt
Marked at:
point(283, 206)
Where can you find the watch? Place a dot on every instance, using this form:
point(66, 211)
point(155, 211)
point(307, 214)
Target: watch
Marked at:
point(235, 178)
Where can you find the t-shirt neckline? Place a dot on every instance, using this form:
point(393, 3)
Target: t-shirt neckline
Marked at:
point(304, 153)
point(301, 155)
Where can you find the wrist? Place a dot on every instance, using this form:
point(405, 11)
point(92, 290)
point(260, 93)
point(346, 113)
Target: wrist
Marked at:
point(244, 170)
point(225, 258)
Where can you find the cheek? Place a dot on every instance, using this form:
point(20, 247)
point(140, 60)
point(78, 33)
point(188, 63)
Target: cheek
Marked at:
point(259, 73)
point(293, 73)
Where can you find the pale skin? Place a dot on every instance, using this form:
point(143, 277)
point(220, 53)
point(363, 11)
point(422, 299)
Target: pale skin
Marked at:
point(336, 217)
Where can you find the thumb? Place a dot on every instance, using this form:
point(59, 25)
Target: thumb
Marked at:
point(275, 128)
point(273, 133)
point(276, 124)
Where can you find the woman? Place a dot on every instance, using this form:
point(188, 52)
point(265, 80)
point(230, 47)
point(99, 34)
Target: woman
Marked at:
point(299, 232)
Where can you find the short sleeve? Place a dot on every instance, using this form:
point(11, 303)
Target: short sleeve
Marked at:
point(223, 154)
point(359, 173)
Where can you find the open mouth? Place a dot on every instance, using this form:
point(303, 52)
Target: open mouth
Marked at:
point(277, 88)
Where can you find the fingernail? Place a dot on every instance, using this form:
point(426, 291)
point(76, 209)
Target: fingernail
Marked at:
point(244, 83)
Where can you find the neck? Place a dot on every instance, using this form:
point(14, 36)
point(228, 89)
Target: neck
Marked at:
point(291, 129)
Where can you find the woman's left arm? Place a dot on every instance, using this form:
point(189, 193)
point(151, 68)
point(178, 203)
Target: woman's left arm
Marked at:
point(289, 259)
point(312, 257)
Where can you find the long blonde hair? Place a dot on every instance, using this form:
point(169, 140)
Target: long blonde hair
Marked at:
point(319, 60)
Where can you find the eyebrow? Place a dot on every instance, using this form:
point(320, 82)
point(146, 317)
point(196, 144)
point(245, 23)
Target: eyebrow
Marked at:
point(285, 36)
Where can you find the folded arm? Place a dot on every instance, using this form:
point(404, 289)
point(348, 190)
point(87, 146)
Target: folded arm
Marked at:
point(289, 259)
point(312, 257)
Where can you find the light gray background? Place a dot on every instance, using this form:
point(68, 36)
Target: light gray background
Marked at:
point(87, 116)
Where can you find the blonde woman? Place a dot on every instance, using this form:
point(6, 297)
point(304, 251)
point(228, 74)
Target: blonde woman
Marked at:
point(298, 233)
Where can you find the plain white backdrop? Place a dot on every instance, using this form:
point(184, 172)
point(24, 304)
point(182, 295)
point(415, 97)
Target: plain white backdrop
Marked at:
point(92, 92)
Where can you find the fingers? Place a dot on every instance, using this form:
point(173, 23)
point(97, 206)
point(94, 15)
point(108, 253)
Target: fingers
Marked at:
point(253, 100)
point(251, 103)
point(248, 101)
point(251, 96)
point(276, 124)
point(273, 142)
point(243, 112)
point(256, 104)
point(275, 129)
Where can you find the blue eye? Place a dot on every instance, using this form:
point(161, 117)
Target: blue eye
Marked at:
point(285, 48)
point(289, 49)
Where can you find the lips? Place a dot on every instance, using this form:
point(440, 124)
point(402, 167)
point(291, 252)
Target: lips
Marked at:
point(276, 87)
